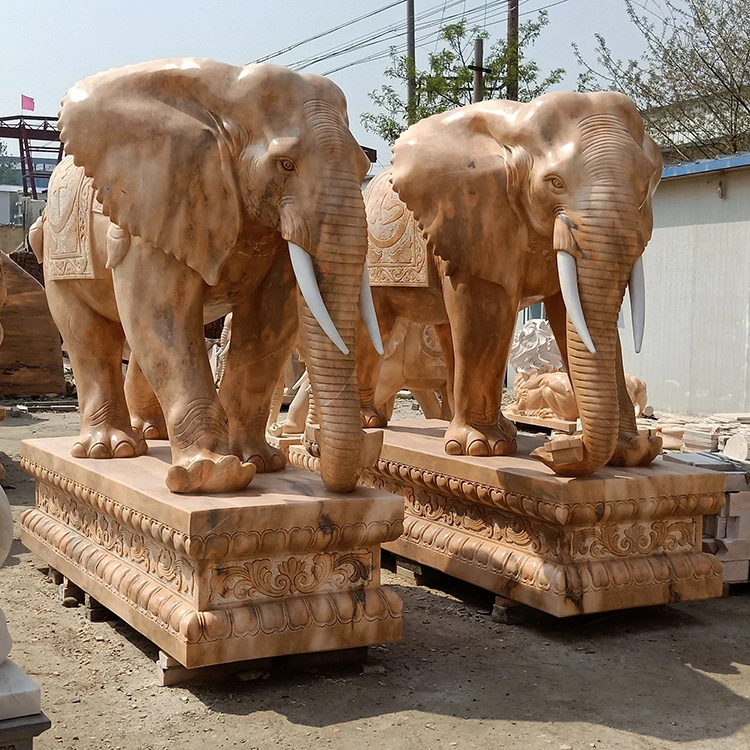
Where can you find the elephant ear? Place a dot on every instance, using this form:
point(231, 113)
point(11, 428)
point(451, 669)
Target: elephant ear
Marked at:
point(464, 190)
point(653, 154)
point(160, 155)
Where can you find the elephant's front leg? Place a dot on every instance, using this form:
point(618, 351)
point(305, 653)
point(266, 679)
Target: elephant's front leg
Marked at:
point(632, 449)
point(264, 327)
point(481, 315)
point(161, 306)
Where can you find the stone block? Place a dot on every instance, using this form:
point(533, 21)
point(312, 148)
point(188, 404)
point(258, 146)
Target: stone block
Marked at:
point(622, 537)
point(709, 525)
point(721, 527)
point(736, 571)
point(733, 549)
point(738, 527)
point(738, 503)
point(19, 694)
point(283, 567)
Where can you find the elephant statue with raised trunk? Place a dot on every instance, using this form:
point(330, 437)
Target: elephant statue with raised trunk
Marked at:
point(519, 203)
point(193, 188)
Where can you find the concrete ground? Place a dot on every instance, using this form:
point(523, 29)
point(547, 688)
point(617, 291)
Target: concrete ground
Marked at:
point(661, 677)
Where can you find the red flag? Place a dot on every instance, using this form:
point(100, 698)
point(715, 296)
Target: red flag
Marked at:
point(27, 103)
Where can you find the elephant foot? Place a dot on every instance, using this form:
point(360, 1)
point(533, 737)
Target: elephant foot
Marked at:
point(634, 449)
point(210, 473)
point(105, 441)
point(466, 440)
point(372, 417)
point(508, 427)
point(154, 428)
point(265, 457)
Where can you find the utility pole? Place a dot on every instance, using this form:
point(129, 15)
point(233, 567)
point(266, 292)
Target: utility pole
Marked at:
point(411, 65)
point(478, 70)
point(512, 77)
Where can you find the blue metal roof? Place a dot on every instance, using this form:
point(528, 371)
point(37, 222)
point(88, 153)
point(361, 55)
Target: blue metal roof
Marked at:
point(718, 164)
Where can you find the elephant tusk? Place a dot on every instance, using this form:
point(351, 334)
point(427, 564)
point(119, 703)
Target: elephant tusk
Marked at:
point(637, 291)
point(302, 264)
point(367, 308)
point(566, 269)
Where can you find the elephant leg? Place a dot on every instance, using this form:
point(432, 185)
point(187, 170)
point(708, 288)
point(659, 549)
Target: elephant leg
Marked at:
point(556, 314)
point(429, 403)
point(146, 414)
point(95, 344)
point(160, 300)
point(369, 361)
point(482, 316)
point(264, 327)
point(632, 448)
point(445, 337)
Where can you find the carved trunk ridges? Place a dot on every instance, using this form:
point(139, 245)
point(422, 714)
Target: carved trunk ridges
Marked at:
point(339, 262)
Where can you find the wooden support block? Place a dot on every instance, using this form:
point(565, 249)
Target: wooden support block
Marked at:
point(509, 612)
point(170, 672)
point(55, 576)
point(95, 610)
point(70, 594)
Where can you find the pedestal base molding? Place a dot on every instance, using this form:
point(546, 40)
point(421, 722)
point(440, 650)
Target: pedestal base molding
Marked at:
point(617, 539)
point(284, 567)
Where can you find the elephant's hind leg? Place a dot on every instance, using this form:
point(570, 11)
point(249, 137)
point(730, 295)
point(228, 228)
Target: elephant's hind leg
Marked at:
point(632, 448)
point(146, 414)
point(94, 344)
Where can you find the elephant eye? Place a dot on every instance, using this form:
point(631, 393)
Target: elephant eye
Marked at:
point(555, 181)
point(287, 165)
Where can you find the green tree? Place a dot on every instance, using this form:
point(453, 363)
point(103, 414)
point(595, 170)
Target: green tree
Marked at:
point(7, 169)
point(447, 82)
point(692, 84)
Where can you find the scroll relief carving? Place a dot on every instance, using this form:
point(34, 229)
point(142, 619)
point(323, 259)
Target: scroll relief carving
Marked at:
point(158, 561)
point(642, 538)
point(397, 251)
point(278, 578)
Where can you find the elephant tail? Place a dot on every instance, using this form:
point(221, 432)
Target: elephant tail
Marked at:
point(36, 236)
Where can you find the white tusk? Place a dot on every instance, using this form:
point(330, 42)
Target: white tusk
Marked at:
point(367, 308)
point(637, 290)
point(566, 269)
point(303, 269)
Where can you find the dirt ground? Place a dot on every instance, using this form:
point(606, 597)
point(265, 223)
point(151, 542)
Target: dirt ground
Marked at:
point(661, 677)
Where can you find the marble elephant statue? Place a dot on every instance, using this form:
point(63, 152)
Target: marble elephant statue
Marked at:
point(519, 203)
point(193, 188)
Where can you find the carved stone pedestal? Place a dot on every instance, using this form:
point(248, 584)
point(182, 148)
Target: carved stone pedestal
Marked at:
point(284, 567)
point(617, 539)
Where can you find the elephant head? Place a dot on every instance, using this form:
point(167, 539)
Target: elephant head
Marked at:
point(204, 160)
point(500, 186)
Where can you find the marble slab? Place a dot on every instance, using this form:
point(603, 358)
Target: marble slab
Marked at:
point(19, 694)
point(283, 567)
point(619, 538)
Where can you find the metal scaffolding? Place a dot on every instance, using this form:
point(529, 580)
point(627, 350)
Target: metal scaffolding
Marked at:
point(37, 137)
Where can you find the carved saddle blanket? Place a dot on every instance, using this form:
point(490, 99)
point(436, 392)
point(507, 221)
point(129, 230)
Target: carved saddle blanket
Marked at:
point(397, 251)
point(68, 234)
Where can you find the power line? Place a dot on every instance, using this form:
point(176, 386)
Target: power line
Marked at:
point(424, 42)
point(329, 31)
point(396, 31)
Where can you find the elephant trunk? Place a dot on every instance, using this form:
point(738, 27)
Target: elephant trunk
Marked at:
point(610, 242)
point(339, 258)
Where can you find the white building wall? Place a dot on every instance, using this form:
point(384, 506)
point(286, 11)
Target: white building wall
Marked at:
point(697, 341)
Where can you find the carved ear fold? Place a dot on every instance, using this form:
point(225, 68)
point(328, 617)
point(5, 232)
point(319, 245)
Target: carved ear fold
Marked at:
point(460, 184)
point(651, 150)
point(153, 138)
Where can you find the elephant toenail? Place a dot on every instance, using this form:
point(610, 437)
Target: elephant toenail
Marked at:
point(100, 451)
point(478, 448)
point(453, 448)
point(124, 450)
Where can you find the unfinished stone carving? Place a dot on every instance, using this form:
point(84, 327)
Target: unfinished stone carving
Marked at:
point(519, 203)
point(541, 386)
point(198, 188)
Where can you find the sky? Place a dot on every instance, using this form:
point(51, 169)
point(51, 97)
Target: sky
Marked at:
point(48, 45)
